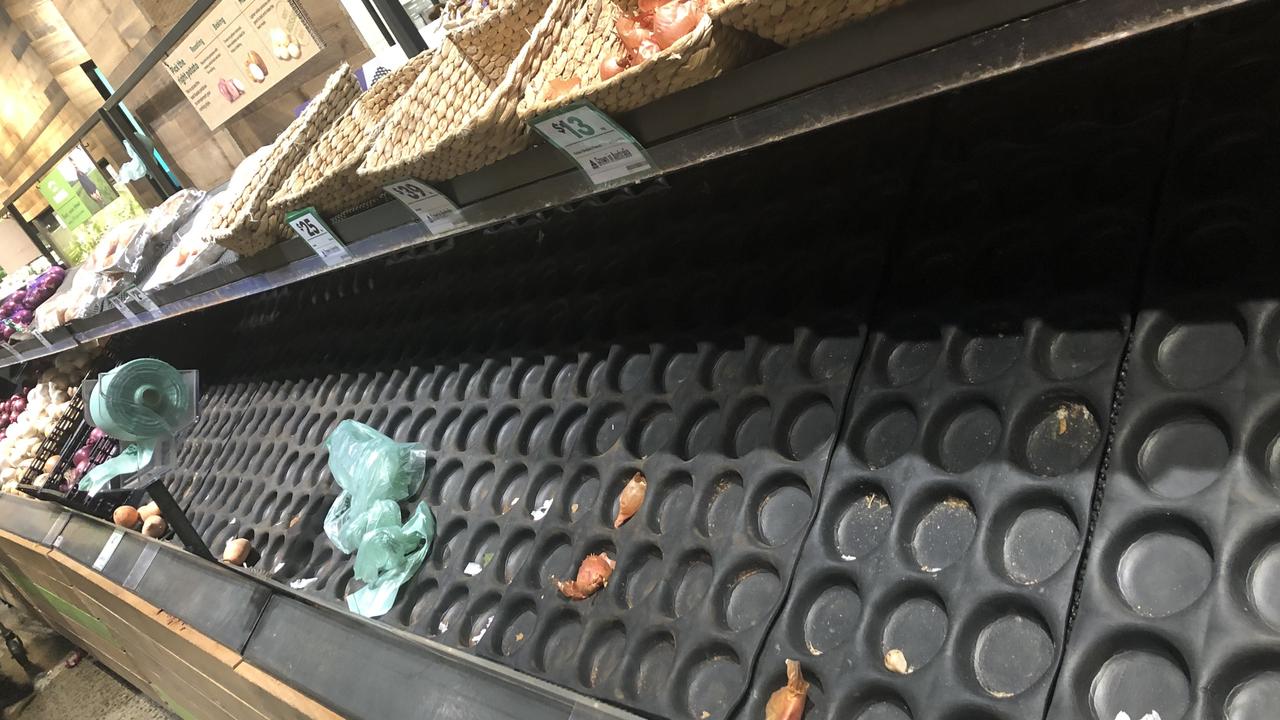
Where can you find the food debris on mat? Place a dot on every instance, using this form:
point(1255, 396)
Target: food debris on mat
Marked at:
point(896, 661)
point(631, 499)
point(593, 574)
point(787, 702)
point(542, 510)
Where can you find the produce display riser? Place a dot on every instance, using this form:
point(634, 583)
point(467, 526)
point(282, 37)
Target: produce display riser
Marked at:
point(1179, 607)
point(542, 368)
point(959, 495)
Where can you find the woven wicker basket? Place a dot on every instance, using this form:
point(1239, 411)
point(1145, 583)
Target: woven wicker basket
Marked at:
point(790, 22)
point(492, 36)
point(585, 36)
point(248, 225)
point(455, 118)
point(326, 178)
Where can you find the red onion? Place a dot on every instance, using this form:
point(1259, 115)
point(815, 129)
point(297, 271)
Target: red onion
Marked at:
point(80, 456)
point(23, 316)
point(82, 468)
point(95, 435)
point(18, 404)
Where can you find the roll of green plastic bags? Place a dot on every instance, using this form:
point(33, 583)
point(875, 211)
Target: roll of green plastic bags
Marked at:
point(142, 402)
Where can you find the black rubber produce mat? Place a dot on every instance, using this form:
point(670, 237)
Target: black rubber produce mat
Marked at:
point(704, 336)
point(1180, 613)
point(936, 580)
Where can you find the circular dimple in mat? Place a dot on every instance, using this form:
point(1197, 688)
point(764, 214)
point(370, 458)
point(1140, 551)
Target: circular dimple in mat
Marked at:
point(603, 652)
point(653, 665)
point(1264, 585)
point(1139, 682)
point(1070, 353)
point(562, 634)
point(1037, 544)
point(1162, 572)
point(1061, 437)
point(782, 510)
point(714, 684)
point(652, 430)
point(965, 437)
point(1011, 654)
point(943, 534)
point(832, 616)
point(641, 576)
point(910, 360)
point(1183, 457)
point(518, 629)
point(702, 429)
point(719, 512)
point(691, 583)
point(752, 595)
point(606, 428)
point(882, 710)
point(806, 426)
point(1195, 354)
point(985, 357)
point(1255, 699)
point(885, 434)
point(750, 427)
point(862, 525)
point(917, 627)
point(673, 500)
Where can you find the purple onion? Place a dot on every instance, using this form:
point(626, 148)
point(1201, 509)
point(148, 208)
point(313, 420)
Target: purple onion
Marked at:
point(82, 467)
point(6, 332)
point(80, 456)
point(23, 316)
point(18, 404)
point(95, 435)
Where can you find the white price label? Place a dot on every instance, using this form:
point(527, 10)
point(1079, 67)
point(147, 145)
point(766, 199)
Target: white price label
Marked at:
point(605, 151)
point(435, 210)
point(108, 548)
point(135, 294)
point(119, 304)
point(316, 233)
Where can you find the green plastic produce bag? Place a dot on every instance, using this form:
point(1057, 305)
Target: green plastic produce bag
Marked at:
point(374, 472)
point(369, 467)
point(389, 555)
point(142, 401)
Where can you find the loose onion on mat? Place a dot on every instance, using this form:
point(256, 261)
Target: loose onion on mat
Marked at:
point(631, 499)
point(149, 510)
point(787, 702)
point(593, 574)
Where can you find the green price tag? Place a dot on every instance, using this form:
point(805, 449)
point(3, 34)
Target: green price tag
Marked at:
point(309, 226)
point(604, 151)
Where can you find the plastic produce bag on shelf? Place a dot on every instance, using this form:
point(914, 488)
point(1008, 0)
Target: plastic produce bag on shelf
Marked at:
point(138, 257)
point(389, 554)
point(369, 467)
point(192, 253)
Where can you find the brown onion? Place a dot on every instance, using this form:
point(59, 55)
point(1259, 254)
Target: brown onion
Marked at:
point(236, 551)
point(557, 87)
point(155, 526)
point(610, 67)
point(126, 516)
point(787, 702)
point(593, 574)
point(675, 20)
point(631, 499)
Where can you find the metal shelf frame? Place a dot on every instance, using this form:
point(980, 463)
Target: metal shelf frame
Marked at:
point(915, 51)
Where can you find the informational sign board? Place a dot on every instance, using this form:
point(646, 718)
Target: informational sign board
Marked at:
point(76, 189)
point(238, 51)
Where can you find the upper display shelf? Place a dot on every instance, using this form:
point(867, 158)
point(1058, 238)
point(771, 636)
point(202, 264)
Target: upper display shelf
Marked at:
point(916, 50)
